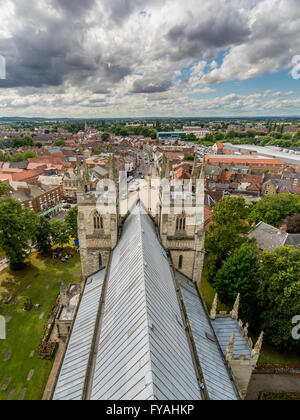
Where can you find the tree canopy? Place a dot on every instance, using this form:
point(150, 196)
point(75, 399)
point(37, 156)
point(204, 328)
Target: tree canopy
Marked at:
point(226, 233)
point(279, 295)
point(239, 275)
point(17, 228)
point(275, 208)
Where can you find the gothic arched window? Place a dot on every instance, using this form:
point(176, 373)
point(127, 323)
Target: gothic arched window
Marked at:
point(180, 223)
point(100, 260)
point(98, 222)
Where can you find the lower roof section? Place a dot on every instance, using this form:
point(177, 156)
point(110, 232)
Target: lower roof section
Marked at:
point(217, 377)
point(71, 379)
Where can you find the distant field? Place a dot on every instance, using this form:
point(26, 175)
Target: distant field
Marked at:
point(24, 330)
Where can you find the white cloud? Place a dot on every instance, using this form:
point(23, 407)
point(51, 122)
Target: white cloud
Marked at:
point(112, 57)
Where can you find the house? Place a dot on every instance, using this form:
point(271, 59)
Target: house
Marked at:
point(276, 186)
point(269, 238)
point(37, 197)
point(218, 148)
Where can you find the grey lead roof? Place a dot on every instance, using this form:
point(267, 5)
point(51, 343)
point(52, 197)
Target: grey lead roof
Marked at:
point(72, 375)
point(224, 327)
point(268, 237)
point(217, 378)
point(143, 352)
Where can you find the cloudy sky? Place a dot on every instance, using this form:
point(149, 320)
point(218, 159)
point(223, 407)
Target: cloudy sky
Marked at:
point(138, 58)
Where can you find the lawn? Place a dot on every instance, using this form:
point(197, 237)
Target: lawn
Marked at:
point(40, 281)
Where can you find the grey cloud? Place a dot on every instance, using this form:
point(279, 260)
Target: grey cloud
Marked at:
point(204, 39)
point(74, 7)
point(148, 86)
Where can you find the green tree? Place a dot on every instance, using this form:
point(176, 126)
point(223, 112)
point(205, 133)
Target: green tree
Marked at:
point(105, 136)
point(231, 134)
point(4, 189)
point(60, 233)
point(226, 233)
point(279, 295)
point(71, 222)
point(275, 208)
point(43, 236)
point(17, 228)
point(29, 154)
point(60, 143)
point(239, 275)
point(297, 135)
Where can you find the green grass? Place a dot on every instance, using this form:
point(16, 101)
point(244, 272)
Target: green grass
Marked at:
point(208, 295)
point(25, 328)
point(271, 356)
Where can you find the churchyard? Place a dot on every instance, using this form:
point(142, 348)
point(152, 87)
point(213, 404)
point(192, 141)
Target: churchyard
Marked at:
point(23, 375)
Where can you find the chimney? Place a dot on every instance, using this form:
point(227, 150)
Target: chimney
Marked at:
point(283, 229)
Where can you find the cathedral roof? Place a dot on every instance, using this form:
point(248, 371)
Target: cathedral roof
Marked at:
point(140, 349)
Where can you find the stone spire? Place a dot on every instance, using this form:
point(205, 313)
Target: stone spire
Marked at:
point(235, 312)
point(258, 346)
point(230, 348)
point(213, 312)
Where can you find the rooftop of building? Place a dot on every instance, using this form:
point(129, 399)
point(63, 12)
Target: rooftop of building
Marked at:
point(143, 352)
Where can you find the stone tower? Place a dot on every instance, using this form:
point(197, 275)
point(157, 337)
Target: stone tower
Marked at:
point(97, 229)
point(181, 222)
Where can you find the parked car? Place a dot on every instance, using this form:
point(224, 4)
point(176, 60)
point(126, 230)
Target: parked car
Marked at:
point(132, 189)
point(71, 201)
point(67, 206)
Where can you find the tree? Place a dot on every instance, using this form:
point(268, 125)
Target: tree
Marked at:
point(43, 236)
point(279, 295)
point(17, 228)
point(219, 136)
point(29, 154)
point(226, 233)
point(297, 135)
point(275, 208)
point(231, 134)
point(4, 189)
point(71, 222)
point(293, 223)
point(60, 233)
point(105, 136)
point(239, 275)
point(60, 143)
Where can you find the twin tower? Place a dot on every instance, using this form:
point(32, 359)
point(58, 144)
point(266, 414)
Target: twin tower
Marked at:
point(179, 220)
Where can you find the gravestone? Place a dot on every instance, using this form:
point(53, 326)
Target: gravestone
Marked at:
point(30, 375)
point(5, 384)
point(22, 395)
point(7, 356)
point(31, 354)
point(11, 394)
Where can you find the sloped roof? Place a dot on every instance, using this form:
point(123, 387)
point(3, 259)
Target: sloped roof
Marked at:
point(224, 327)
point(73, 371)
point(268, 237)
point(217, 378)
point(143, 351)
